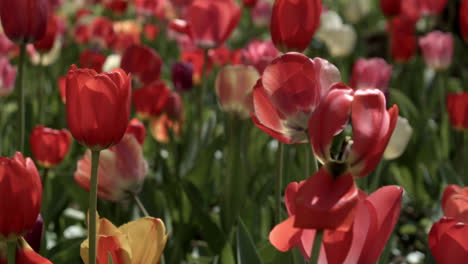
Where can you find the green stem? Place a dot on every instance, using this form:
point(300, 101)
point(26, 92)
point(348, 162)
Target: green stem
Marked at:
point(19, 84)
point(315, 254)
point(140, 205)
point(279, 182)
point(11, 252)
point(93, 205)
point(312, 159)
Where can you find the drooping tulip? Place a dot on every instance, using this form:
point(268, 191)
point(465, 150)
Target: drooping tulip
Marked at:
point(122, 170)
point(399, 139)
point(457, 108)
point(287, 94)
point(455, 202)
point(437, 49)
point(19, 182)
point(294, 22)
point(140, 241)
point(137, 129)
point(150, 100)
point(143, 63)
point(24, 254)
point(24, 20)
point(448, 241)
point(7, 77)
point(98, 106)
point(234, 85)
point(339, 38)
point(371, 73)
point(49, 146)
point(209, 23)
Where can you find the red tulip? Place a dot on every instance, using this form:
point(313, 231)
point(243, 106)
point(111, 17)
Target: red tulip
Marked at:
point(24, 20)
point(259, 54)
point(261, 13)
point(209, 23)
point(390, 7)
point(455, 202)
point(250, 3)
point(448, 241)
point(402, 37)
point(457, 107)
point(92, 59)
point(290, 89)
point(150, 100)
point(122, 170)
point(49, 146)
point(24, 254)
point(98, 106)
point(137, 129)
point(143, 63)
point(432, 7)
point(182, 76)
point(174, 107)
point(199, 62)
point(371, 73)
point(151, 31)
point(117, 6)
point(463, 13)
point(372, 127)
point(47, 42)
point(20, 195)
point(101, 31)
point(437, 49)
point(294, 22)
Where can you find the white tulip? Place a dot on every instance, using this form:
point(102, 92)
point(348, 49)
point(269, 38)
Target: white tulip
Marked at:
point(355, 10)
point(339, 38)
point(112, 62)
point(399, 140)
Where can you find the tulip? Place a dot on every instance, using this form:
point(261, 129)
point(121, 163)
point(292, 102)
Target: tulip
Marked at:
point(182, 76)
point(137, 129)
point(143, 63)
point(448, 241)
point(290, 89)
point(174, 107)
point(372, 127)
point(140, 241)
point(234, 85)
point(339, 38)
point(463, 14)
point(24, 20)
point(49, 146)
point(201, 64)
point(24, 254)
point(455, 202)
point(259, 54)
point(150, 100)
point(249, 3)
point(294, 23)
point(402, 38)
point(122, 170)
point(437, 49)
point(354, 11)
point(117, 6)
point(101, 32)
point(209, 23)
point(457, 107)
point(390, 7)
point(162, 127)
point(53, 30)
point(92, 59)
point(98, 106)
point(371, 73)
point(222, 55)
point(21, 195)
point(112, 62)
point(399, 139)
point(261, 13)
point(35, 235)
point(127, 33)
point(7, 77)
point(151, 31)
point(432, 7)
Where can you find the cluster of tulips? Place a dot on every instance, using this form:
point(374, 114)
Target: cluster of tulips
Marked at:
point(338, 208)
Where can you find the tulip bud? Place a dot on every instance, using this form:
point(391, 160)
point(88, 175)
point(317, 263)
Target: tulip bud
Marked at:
point(455, 202)
point(122, 170)
point(143, 63)
point(402, 38)
point(24, 20)
point(390, 7)
point(339, 38)
point(259, 54)
point(261, 13)
point(21, 185)
point(437, 49)
point(150, 100)
point(457, 108)
point(47, 42)
point(371, 73)
point(49, 146)
point(98, 106)
point(182, 76)
point(174, 107)
point(137, 129)
point(399, 139)
point(92, 59)
point(234, 85)
point(7, 77)
point(294, 22)
point(448, 241)
point(354, 11)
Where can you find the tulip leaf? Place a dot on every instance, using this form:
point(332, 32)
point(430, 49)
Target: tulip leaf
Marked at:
point(246, 251)
point(404, 103)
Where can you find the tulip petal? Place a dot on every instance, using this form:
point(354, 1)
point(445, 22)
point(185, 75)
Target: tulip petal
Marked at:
point(284, 236)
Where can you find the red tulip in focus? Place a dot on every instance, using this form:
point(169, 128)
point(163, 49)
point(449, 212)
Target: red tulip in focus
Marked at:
point(209, 23)
point(290, 89)
point(294, 22)
point(20, 195)
point(150, 100)
point(390, 7)
point(24, 20)
point(143, 63)
point(24, 254)
point(402, 38)
point(455, 203)
point(457, 107)
point(437, 49)
point(463, 13)
point(122, 170)
point(137, 129)
point(98, 106)
point(371, 73)
point(448, 241)
point(92, 59)
point(49, 146)
point(372, 127)
point(259, 54)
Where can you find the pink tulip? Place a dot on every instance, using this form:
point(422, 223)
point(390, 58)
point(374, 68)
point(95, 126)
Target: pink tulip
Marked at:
point(371, 73)
point(7, 77)
point(437, 49)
